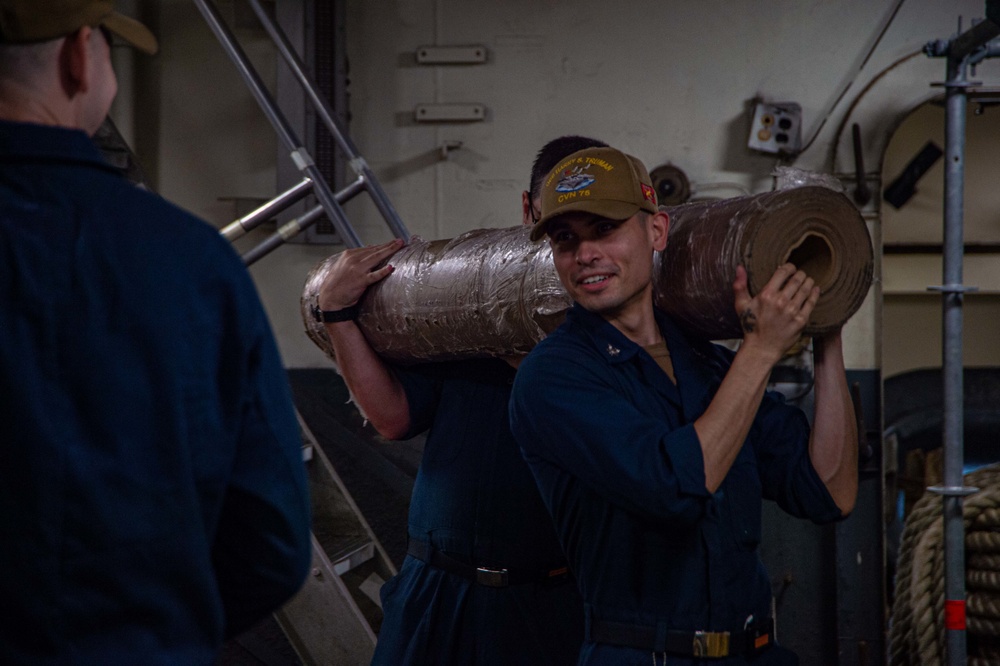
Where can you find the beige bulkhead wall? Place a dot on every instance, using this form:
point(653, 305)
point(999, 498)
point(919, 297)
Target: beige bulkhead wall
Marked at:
point(911, 323)
point(669, 81)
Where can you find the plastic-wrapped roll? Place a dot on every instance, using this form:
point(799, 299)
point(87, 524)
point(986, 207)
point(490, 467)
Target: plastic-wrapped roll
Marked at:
point(815, 228)
point(488, 292)
point(493, 292)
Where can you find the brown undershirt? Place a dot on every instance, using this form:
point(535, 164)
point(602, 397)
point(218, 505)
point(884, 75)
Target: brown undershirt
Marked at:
point(661, 355)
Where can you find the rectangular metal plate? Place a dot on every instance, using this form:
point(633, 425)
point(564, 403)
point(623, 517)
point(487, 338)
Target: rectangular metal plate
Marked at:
point(445, 113)
point(451, 55)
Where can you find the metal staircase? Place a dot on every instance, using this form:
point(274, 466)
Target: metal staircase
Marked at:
point(335, 618)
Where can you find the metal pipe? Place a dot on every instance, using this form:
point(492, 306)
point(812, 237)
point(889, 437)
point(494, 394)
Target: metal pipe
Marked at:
point(238, 228)
point(294, 227)
point(952, 370)
point(357, 162)
point(992, 50)
point(862, 194)
point(299, 154)
point(952, 292)
point(969, 47)
point(286, 232)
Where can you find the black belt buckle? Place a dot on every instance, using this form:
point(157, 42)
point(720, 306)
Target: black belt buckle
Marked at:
point(759, 637)
point(492, 577)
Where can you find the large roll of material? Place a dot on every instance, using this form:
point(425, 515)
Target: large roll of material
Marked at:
point(488, 292)
point(815, 228)
point(493, 292)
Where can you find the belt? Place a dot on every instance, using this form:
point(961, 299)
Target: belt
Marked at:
point(488, 576)
point(754, 639)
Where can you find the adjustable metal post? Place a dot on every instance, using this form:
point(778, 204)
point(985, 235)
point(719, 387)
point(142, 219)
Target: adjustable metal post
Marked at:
point(971, 44)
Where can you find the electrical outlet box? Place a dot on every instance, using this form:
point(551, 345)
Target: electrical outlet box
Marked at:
point(776, 128)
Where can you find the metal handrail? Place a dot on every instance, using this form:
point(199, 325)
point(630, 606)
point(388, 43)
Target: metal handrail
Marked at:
point(299, 154)
point(296, 226)
point(242, 226)
point(356, 161)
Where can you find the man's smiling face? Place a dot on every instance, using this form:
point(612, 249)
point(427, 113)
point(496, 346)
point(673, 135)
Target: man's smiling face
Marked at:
point(606, 265)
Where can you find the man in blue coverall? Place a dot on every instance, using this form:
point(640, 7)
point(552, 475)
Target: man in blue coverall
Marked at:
point(653, 450)
point(153, 498)
point(475, 510)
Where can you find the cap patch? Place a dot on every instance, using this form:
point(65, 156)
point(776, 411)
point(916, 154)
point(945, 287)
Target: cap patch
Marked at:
point(648, 193)
point(575, 179)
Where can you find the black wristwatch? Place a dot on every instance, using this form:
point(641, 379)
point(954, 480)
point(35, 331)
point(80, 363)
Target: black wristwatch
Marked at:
point(330, 316)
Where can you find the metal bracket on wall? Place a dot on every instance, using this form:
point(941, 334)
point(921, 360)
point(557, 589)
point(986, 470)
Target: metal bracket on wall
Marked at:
point(451, 55)
point(449, 113)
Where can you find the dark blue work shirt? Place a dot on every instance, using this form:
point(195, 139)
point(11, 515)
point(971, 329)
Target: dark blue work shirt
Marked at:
point(153, 497)
point(475, 499)
point(474, 495)
point(611, 442)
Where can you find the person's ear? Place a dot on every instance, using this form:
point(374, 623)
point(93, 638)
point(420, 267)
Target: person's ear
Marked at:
point(526, 217)
point(74, 60)
point(659, 226)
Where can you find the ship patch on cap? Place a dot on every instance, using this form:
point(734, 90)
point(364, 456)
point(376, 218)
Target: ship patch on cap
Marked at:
point(575, 179)
point(600, 181)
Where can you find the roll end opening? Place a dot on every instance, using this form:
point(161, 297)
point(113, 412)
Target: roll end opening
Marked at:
point(814, 255)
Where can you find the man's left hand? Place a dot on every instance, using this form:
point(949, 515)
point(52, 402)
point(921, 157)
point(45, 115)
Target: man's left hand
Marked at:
point(773, 319)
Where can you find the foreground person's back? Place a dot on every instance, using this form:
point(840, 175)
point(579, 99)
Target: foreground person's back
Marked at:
point(153, 499)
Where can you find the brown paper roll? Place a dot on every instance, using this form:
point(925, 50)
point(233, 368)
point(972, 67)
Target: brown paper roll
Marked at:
point(492, 292)
point(815, 228)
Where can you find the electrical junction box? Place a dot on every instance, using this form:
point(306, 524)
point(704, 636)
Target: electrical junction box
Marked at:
point(776, 128)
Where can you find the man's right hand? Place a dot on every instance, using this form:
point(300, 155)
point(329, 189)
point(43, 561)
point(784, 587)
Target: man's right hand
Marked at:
point(374, 388)
point(353, 272)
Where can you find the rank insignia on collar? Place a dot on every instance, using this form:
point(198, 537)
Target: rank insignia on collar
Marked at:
point(613, 351)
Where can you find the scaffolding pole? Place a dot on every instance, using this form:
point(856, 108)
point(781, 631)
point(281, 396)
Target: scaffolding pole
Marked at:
point(967, 48)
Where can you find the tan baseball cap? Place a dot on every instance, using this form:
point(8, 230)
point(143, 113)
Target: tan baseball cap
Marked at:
point(28, 21)
point(603, 181)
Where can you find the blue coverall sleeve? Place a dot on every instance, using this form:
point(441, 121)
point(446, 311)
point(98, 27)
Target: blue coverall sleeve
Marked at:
point(569, 413)
point(262, 548)
point(787, 475)
point(423, 392)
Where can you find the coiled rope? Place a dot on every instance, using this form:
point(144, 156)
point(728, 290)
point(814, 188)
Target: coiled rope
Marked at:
point(917, 633)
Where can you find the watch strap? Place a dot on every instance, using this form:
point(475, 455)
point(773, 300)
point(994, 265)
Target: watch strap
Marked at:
point(330, 316)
